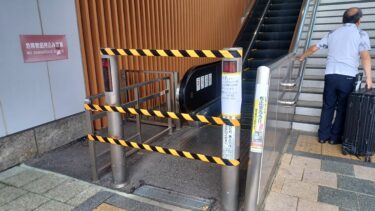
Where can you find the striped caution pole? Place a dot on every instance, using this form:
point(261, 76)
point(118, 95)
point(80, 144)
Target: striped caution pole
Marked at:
point(166, 151)
point(172, 53)
point(163, 114)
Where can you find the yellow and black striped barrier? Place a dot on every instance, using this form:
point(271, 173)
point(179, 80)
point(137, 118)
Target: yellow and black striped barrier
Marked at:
point(163, 114)
point(172, 53)
point(161, 150)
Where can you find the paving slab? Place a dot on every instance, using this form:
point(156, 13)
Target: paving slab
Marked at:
point(94, 201)
point(22, 178)
point(306, 162)
point(67, 190)
point(305, 205)
point(301, 190)
point(10, 172)
point(362, 172)
point(44, 184)
point(54, 206)
point(337, 167)
point(28, 201)
point(2, 185)
point(366, 203)
point(290, 172)
point(286, 159)
point(280, 202)
point(356, 185)
point(83, 196)
point(9, 193)
point(320, 178)
point(340, 198)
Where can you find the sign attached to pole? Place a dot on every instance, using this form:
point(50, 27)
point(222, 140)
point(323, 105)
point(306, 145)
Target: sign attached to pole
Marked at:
point(39, 48)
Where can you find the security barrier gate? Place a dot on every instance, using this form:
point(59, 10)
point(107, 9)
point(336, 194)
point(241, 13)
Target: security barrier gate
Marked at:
point(231, 95)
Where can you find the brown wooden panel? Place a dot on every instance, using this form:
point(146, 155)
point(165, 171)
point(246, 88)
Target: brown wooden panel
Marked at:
point(164, 24)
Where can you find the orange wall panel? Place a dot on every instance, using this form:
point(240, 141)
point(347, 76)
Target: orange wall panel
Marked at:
point(150, 24)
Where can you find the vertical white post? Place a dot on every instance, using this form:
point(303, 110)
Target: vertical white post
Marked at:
point(257, 139)
point(231, 97)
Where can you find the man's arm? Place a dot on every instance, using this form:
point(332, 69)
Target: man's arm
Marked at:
point(366, 62)
point(308, 53)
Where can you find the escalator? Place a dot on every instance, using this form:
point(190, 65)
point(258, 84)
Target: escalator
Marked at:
point(265, 37)
point(271, 42)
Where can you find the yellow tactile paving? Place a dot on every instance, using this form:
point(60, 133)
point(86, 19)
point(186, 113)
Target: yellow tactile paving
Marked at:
point(107, 207)
point(310, 144)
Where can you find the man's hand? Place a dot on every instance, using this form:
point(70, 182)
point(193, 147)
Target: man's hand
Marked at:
point(366, 63)
point(369, 83)
point(308, 53)
point(300, 58)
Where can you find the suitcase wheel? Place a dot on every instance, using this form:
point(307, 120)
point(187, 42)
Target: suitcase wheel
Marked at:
point(344, 152)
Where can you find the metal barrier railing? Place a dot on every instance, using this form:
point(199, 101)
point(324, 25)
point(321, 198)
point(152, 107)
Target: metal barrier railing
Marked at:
point(130, 101)
point(231, 109)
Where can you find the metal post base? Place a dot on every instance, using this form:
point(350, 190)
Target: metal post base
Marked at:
point(229, 191)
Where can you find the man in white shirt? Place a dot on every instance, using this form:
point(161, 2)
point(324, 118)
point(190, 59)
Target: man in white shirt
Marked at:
point(346, 46)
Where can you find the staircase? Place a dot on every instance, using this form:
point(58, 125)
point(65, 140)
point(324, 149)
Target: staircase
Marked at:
point(329, 17)
point(270, 43)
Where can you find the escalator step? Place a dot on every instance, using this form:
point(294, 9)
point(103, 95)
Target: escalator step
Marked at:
point(243, 44)
point(248, 84)
point(278, 13)
point(277, 27)
point(255, 63)
point(280, 20)
point(272, 44)
point(285, 1)
point(268, 53)
point(285, 6)
point(249, 73)
point(275, 36)
point(248, 97)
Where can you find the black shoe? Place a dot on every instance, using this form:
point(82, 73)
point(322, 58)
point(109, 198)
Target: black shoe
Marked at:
point(334, 142)
point(322, 141)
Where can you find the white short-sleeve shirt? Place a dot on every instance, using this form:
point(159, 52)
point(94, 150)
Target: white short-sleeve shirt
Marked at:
point(344, 46)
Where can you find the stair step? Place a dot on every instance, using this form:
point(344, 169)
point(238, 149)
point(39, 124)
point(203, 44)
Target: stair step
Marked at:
point(308, 111)
point(306, 119)
point(312, 90)
point(267, 53)
point(314, 77)
point(271, 44)
point(310, 104)
point(312, 128)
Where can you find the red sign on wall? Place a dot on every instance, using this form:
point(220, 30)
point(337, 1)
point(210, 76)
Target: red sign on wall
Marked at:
point(38, 48)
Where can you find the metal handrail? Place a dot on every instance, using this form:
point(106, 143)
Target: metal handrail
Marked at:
point(256, 31)
point(301, 71)
point(93, 97)
point(294, 45)
point(300, 24)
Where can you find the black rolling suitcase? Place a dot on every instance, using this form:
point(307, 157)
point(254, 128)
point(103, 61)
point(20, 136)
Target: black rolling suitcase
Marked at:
point(359, 134)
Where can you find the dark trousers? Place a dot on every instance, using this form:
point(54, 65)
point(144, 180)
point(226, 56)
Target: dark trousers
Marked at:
point(336, 91)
